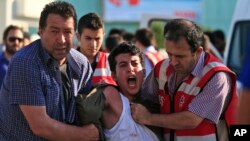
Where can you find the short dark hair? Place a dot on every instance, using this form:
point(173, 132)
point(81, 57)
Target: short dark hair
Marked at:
point(61, 8)
point(128, 36)
point(219, 34)
point(116, 31)
point(112, 41)
point(145, 36)
point(91, 21)
point(9, 28)
point(125, 47)
point(177, 28)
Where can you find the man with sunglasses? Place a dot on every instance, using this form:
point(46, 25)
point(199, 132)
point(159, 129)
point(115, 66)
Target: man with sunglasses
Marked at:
point(13, 41)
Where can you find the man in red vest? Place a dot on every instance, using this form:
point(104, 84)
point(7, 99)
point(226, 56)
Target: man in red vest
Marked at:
point(90, 36)
point(145, 41)
point(196, 92)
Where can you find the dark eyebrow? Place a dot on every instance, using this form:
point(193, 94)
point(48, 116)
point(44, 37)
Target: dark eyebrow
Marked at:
point(122, 62)
point(53, 27)
point(57, 28)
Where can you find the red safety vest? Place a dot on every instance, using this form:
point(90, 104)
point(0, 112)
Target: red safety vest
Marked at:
point(102, 72)
point(190, 88)
point(154, 57)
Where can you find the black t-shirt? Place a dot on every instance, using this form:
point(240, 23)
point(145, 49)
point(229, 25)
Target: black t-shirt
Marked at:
point(66, 85)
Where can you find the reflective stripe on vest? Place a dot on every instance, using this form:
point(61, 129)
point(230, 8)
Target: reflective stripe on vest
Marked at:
point(154, 57)
point(102, 72)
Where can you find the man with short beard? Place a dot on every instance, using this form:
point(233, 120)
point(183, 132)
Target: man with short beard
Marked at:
point(13, 41)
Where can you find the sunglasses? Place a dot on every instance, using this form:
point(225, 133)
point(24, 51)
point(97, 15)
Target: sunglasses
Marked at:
point(13, 39)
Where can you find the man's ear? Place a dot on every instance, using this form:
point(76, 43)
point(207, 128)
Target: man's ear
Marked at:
point(200, 49)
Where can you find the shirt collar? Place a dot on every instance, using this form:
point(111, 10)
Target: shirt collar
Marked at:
point(150, 49)
point(45, 55)
point(199, 66)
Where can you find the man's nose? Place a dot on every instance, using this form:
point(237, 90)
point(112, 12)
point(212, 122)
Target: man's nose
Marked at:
point(61, 38)
point(173, 61)
point(93, 43)
point(130, 67)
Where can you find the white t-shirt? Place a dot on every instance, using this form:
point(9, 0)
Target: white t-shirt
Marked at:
point(126, 129)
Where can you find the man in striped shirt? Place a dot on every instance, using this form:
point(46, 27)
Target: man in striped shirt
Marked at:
point(197, 93)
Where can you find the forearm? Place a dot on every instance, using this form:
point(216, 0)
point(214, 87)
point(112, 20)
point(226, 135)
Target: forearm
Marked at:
point(55, 130)
point(44, 126)
point(181, 120)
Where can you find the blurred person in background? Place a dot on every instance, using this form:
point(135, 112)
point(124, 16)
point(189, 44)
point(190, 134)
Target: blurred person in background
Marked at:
point(209, 47)
point(13, 41)
point(37, 98)
point(129, 37)
point(144, 40)
point(196, 91)
point(112, 41)
point(116, 31)
point(219, 41)
point(90, 36)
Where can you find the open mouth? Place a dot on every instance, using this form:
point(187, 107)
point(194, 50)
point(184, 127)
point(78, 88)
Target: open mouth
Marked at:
point(132, 81)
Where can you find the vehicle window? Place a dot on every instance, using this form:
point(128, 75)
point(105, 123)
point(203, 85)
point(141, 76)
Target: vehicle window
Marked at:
point(239, 46)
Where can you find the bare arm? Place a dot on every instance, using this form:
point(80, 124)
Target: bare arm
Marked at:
point(244, 112)
point(44, 126)
point(113, 109)
point(180, 120)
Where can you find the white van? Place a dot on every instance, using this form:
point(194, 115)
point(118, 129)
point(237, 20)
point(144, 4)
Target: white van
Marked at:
point(238, 41)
